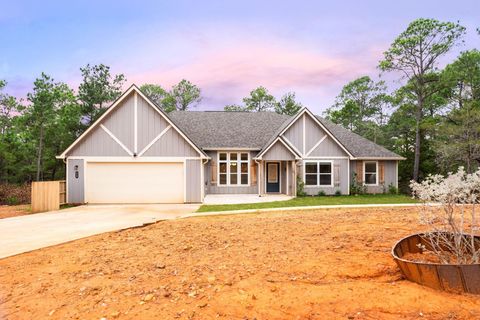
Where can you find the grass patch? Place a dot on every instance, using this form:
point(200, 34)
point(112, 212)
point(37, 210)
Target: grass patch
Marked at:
point(313, 201)
point(68, 205)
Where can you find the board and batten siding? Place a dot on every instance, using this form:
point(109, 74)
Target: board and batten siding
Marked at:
point(75, 186)
point(294, 134)
point(328, 148)
point(150, 123)
point(98, 144)
point(211, 168)
point(278, 152)
point(121, 122)
point(313, 135)
point(390, 174)
point(171, 144)
point(193, 169)
point(343, 178)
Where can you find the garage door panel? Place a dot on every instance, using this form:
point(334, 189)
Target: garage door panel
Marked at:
point(141, 182)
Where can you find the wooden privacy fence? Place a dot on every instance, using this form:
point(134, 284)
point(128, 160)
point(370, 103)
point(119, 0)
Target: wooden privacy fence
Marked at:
point(48, 195)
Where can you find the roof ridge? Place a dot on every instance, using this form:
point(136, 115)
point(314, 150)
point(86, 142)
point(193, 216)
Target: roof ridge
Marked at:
point(233, 111)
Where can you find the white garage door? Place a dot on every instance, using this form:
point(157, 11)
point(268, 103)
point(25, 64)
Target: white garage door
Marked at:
point(139, 182)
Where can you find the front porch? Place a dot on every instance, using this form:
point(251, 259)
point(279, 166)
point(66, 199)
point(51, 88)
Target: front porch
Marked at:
point(277, 177)
point(243, 198)
point(277, 169)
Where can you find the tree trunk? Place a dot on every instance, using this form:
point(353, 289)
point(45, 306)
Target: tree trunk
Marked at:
point(54, 171)
point(418, 118)
point(39, 153)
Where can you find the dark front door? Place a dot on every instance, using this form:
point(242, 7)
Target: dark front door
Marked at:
point(273, 177)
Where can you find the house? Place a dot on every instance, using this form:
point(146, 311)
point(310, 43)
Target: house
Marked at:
point(136, 153)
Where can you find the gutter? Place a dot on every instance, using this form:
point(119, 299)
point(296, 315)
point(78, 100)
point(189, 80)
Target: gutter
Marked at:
point(378, 158)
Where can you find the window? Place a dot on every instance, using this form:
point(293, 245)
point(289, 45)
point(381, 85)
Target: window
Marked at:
point(318, 173)
point(370, 173)
point(233, 168)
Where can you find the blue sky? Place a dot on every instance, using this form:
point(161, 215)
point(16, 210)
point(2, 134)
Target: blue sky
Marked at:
point(228, 48)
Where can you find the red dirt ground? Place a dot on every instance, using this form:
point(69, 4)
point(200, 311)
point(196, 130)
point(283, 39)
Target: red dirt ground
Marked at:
point(324, 264)
point(14, 211)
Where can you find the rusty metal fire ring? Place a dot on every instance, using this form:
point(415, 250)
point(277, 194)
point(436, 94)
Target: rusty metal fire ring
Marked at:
point(456, 278)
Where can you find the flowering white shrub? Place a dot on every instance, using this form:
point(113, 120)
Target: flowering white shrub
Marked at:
point(450, 210)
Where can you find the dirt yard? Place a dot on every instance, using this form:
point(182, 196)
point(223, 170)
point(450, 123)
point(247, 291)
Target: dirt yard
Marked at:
point(14, 211)
point(327, 264)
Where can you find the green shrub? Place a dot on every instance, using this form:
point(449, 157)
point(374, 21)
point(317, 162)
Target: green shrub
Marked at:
point(392, 189)
point(12, 201)
point(356, 187)
point(338, 192)
point(321, 193)
point(300, 188)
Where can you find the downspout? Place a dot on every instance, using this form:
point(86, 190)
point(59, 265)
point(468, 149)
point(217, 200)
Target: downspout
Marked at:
point(204, 162)
point(297, 161)
point(258, 177)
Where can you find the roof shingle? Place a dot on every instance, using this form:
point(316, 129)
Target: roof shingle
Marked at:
point(255, 130)
point(220, 129)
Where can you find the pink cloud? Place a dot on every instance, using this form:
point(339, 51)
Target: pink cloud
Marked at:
point(226, 74)
point(228, 69)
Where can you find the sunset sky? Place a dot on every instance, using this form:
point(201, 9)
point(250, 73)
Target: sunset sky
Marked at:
point(227, 48)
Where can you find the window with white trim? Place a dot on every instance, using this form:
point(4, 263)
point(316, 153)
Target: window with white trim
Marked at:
point(318, 173)
point(370, 175)
point(233, 168)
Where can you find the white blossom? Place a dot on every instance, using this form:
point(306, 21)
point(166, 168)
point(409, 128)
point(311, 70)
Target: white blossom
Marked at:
point(449, 209)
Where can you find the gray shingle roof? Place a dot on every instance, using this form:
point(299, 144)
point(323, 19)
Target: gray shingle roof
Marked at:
point(357, 145)
point(220, 129)
point(256, 130)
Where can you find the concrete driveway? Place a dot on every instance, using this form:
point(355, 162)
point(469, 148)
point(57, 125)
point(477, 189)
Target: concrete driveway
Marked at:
point(26, 233)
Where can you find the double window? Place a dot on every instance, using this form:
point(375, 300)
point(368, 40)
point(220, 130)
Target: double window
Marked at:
point(318, 173)
point(233, 168)
point(370, 175)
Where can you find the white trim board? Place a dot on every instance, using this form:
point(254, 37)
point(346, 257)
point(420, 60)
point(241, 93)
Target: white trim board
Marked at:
point(116, 139)
point(291, 145)
point(67, 172)
point(131, 159)
point(135, 123)
point(154, 140)
point(315, 146)
point(327, 158)
point(304, 137)
point(259, 156)
point(378, 158)
point(230, 149)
